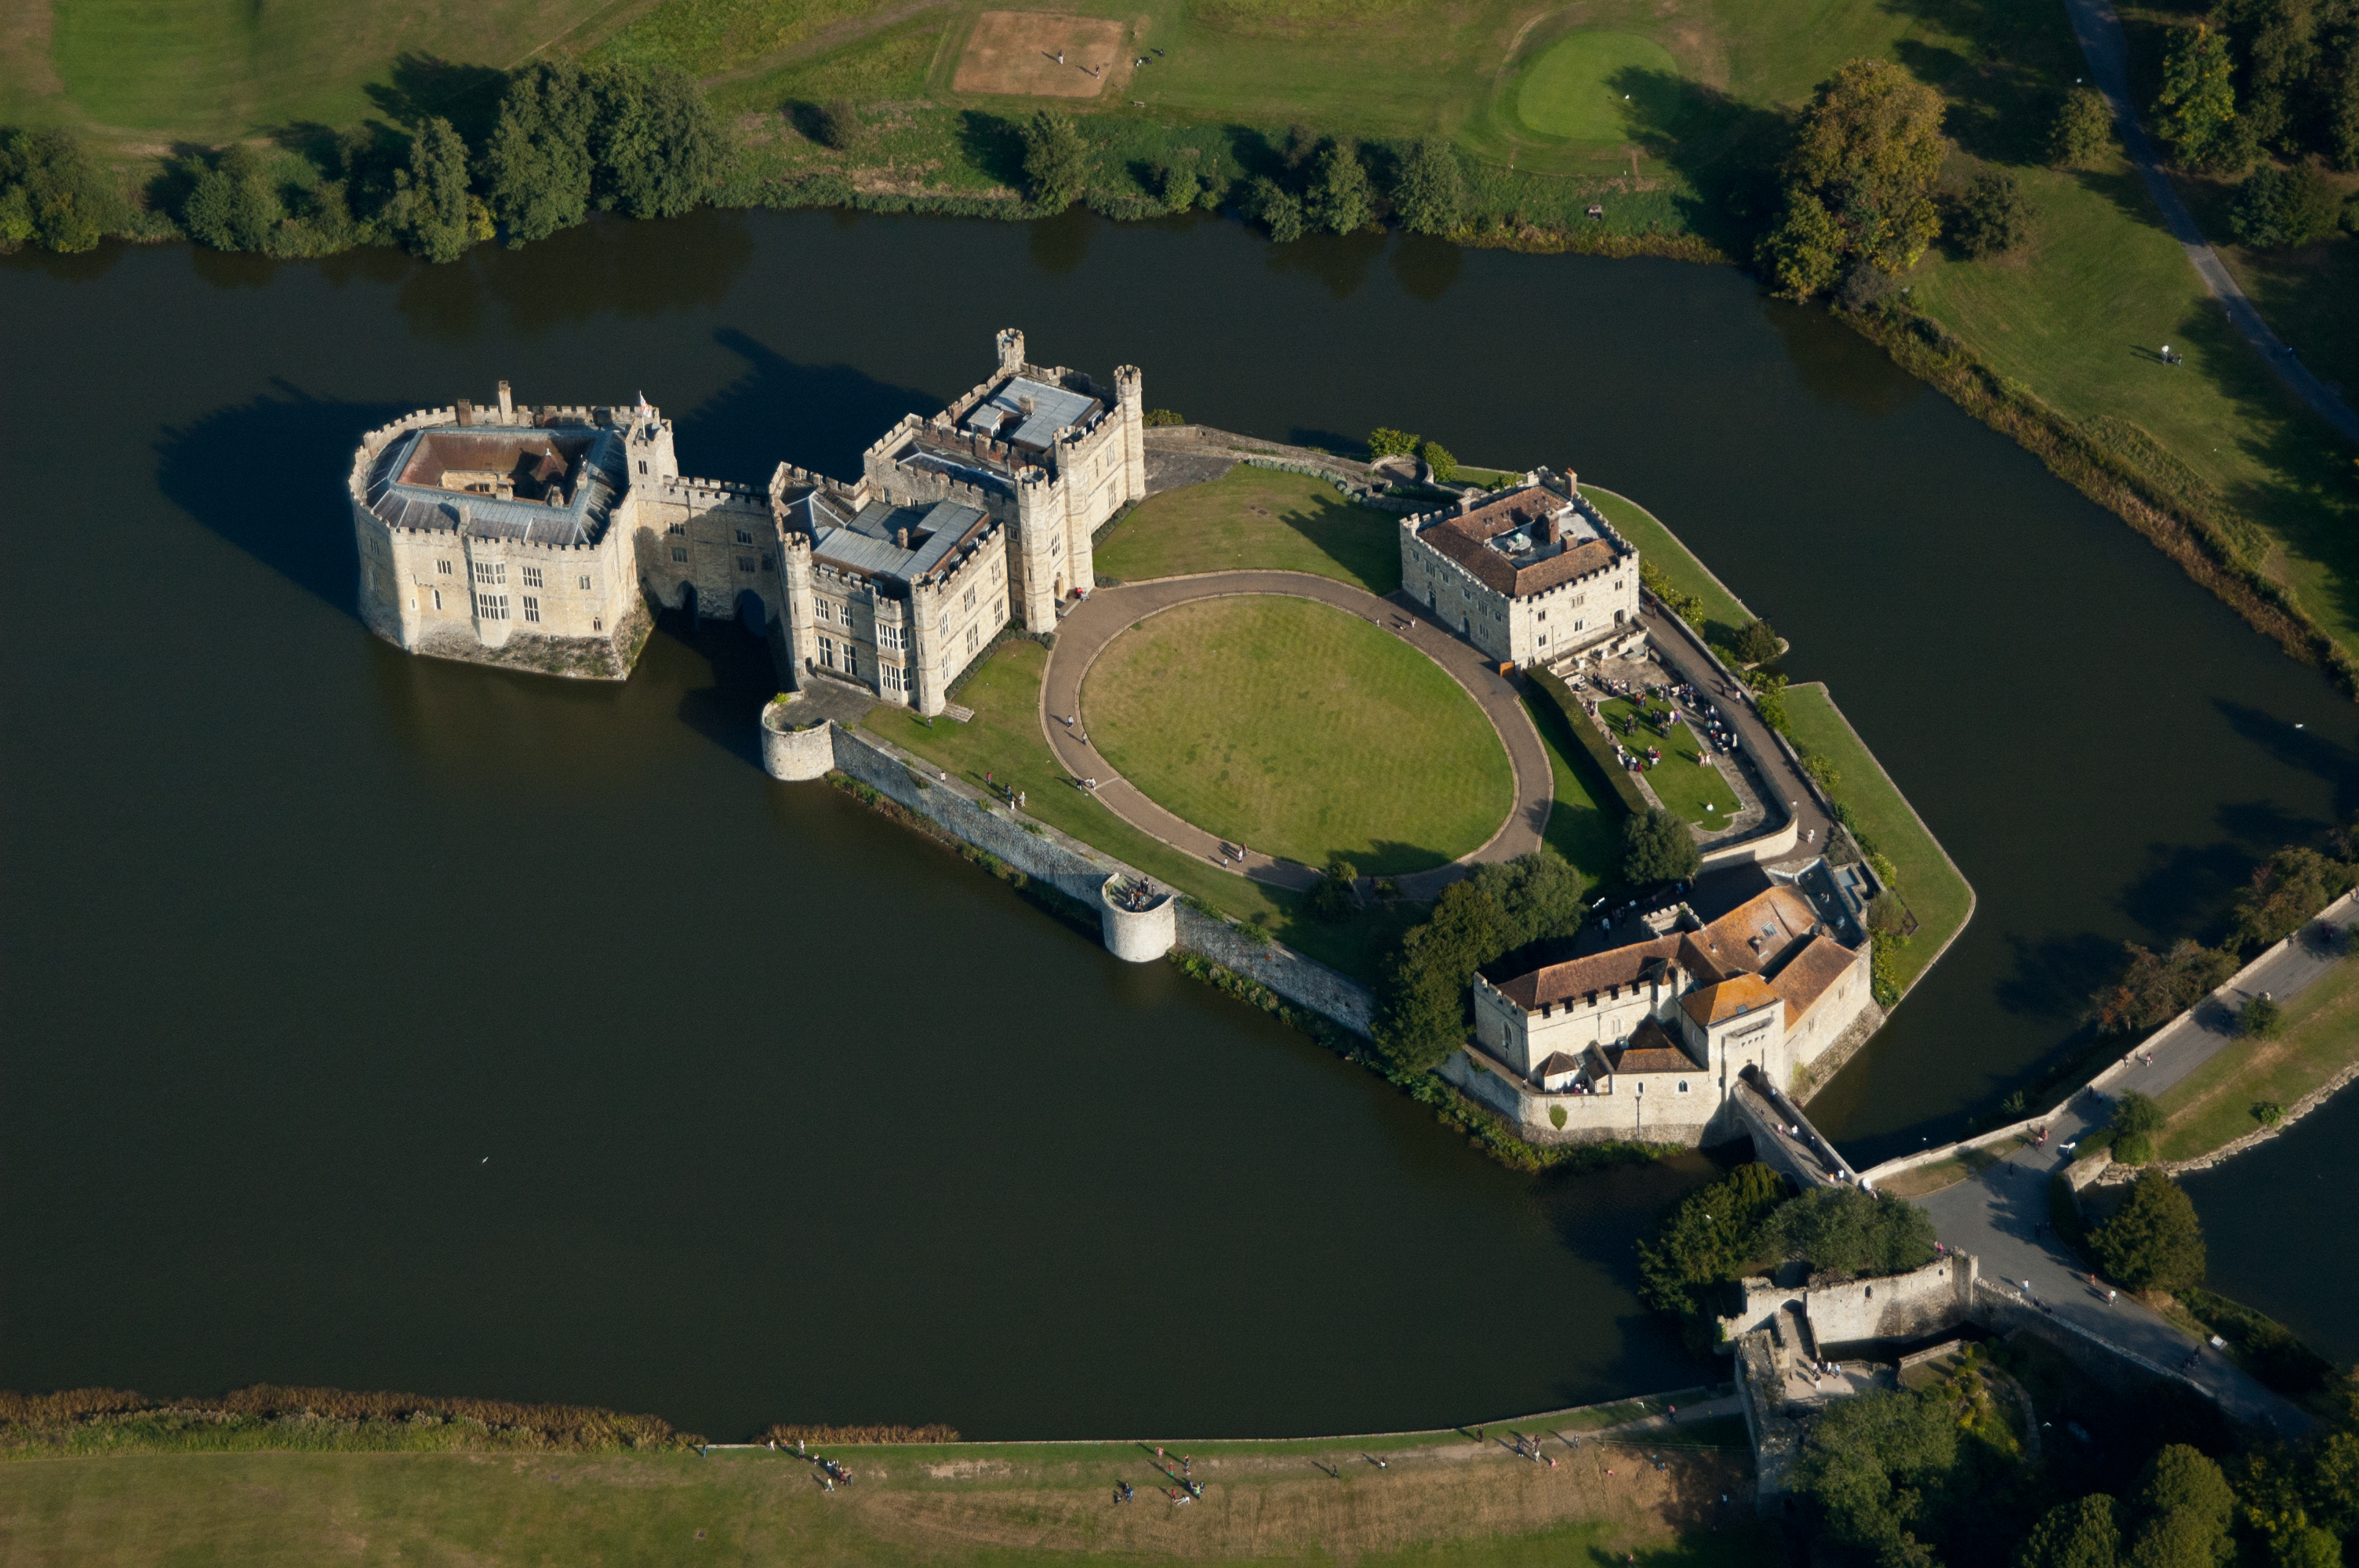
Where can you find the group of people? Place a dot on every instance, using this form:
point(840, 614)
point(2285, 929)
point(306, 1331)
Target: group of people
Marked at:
point(1712, 732)
point(1137, 897)
point(827, 1472)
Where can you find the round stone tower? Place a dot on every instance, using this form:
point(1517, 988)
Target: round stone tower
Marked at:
point(1140, 921)
point(791, 753)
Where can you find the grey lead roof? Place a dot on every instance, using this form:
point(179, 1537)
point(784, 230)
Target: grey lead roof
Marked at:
point(1003, 417)
point(417, 506)
point(867, 543)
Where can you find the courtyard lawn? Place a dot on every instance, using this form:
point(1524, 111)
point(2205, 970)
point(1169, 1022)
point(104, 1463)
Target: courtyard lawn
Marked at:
point(1698, 794)
point(1660, 548)
point(2214, 1104)
point(1585, 825)
point(1005, 741)
point(1254, 517)
point(1935, 890)
point(1002, 1505)
point(1301, 731)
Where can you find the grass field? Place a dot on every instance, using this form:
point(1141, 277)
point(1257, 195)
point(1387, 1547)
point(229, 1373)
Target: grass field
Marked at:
point(1699, 795)
point(1659, 546)
point(1005, 741)
point(1440, 1501)
point(1574, 89)
point(1584, 827)
point(2213, 1105)
point(1254, 517)
point(1302, 731)
point(1934, 890)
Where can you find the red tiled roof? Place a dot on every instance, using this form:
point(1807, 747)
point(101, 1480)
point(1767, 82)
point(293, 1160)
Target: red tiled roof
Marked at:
point(1464, 538)
point(1718, 1003)
point(1806, 976)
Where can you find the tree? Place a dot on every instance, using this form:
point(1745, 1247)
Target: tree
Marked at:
point(1757, 642)
point(2155, 1242)
point(2187, 1507)
point(539, 169)
point(837, 123)
point(2083, 1533)
point(1383, 442)
point(1056, 165)
point(2197, 105)
point(657, 145)
point(1430, 194)
point(2155, 987)
point(1335, 897)
point(51, 194)
point(1439, 459)
point(1709, 1238)
point(234, 205)
point(1425, 983)
point(1657, 848)
point(2260, 1019)
point(429, 207)
point(1538, 896)
point(2136, 1118)
point(2082, 136)
point(1279, 208)
point(1871, 1462)
point(1859, 182)
point(1843, 1230)
point(2285, 891)
point(1340, 198)
point(2286, 207)
point(1993, 216)
point(1177, 182)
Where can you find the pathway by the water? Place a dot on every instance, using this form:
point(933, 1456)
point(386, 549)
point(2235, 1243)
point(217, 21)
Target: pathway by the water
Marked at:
point(1110, 612)
point(2099, 31)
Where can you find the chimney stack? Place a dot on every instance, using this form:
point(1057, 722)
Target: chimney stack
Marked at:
point(507, 406)
point(901, 538)
point(1549, 532)
point(466, 412)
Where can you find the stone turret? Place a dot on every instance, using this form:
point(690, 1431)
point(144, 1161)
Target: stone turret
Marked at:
point(1011, 350)
point(1130, 387)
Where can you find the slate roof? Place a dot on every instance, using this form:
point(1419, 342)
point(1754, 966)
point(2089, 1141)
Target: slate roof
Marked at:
point(1003, 415)
point(599, 483)
point(868, 543)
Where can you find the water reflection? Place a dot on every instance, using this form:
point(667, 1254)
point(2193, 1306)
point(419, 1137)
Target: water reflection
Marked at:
point(1836, 366)
point(1427, 267)
point(1341, 261)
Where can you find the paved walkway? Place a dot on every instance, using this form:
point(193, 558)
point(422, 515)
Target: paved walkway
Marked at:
point(1789, 795)
point(1110, 612)
point(2000, 1214)
point(2099, 31)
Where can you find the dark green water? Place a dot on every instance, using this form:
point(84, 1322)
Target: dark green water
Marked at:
point(788, 1115)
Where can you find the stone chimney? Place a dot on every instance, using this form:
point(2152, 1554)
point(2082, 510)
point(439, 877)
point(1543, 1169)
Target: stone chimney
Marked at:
point(466, 412)
point(507, 406)
point(1550, 532)
point(1465, 505)
point(901, 538)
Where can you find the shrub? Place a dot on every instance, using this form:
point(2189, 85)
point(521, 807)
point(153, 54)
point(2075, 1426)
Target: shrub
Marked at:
point(51, 194)
point(2268, 1113)
point(1993, 216)
point(2285, 891)
point(2260, 1019)
point(1160, 417)
point(1335, 897)
point(1657, 848)
point(1687, 607)
point(1709, 1238)
point(2083, 135)
point(2155, 1242)
point(1885, 914)
point(2155, 987)
point(431, 209)
point(1439, 459)
point(1843, 1231)
point(1822, 767)
point(1757, 642)
point(1056, 165)
point(1865, 288)
point(234, 205)
point(1278, 209)
point(1383, 442)
point(836, 124)
point(1340, 198)
point(2285, 206)
point(1430, 192)
point(2137, 1115)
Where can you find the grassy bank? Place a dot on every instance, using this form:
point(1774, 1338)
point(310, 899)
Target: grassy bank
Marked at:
point(1255, 517)
point(1440, 1499)
point(1662, 548)
point(2223, 1101)
point(1934, 890)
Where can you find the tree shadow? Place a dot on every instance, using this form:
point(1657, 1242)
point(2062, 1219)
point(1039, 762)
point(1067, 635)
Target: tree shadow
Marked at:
point(610, 265)
point(2184, 890)
point(2307, 751)
point(1058, 245)
point(1837, 366)
point(1725, 151)
point(1426, 266)
point(1340, 262)
point(426, 85)
point(995, 144)
point(2055, 975)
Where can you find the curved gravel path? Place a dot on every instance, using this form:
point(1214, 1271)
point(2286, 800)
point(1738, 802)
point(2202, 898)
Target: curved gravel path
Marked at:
point(2099, 32)
point(1110, 612)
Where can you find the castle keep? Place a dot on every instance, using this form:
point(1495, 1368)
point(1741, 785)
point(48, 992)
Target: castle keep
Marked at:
point(537, 538)
point(1533, 575)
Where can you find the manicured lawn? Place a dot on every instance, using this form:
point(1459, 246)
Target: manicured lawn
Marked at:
point(1255, 517)
point(967, 1504)
point(704, 37)
point(1934, 890)
point(1659, 546)
point(1301, 731)
point(1573, 89)
point(1698, 793)
point(1585, 826)
point(2213, 1105)
point(1005, 741)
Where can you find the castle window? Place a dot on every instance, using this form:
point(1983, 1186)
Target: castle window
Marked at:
point(677, 528)
point(597, 623)
point(826, 611)
point(767, 562)
point(970, 599)
point(827, 652)
point(851, 660)
point(437, 598)
point(678, 553)
point(745, 563)
point(643, 465)
point(998, 570)
point(532, 577)
point(531, 608)
point(974, 633)
point(743, 537)
point(585, 582)
point(442, 567)
point(1683, 1086)
point(492, 606)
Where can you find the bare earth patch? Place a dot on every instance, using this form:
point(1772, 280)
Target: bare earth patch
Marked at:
point(1017, 53)
point(25, 42)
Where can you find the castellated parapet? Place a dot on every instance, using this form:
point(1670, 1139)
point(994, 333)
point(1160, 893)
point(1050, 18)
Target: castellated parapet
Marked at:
point(542, 537)
point(1530, 575)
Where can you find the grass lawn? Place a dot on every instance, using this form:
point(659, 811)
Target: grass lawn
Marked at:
point(1443, 1501)
point(1699, 795)
point(1585, 826)
point(1302, 731)
point(1254, 517)
point(2213, 1105)
point(1934, 890)
point(1573, 89)
point(1660, 546)
point(1005, 741)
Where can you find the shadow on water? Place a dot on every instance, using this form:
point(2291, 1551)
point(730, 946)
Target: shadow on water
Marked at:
point(1426, 266)
point(814, 417)
point(1058, 245)
point(1341, 261)
point(608, 267)
point(1836, 366)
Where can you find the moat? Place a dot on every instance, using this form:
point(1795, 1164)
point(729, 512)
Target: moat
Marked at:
point(386, 1022)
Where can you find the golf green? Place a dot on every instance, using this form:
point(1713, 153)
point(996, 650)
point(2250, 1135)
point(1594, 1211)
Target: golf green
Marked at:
point(1592, 87)
point(1300, 731)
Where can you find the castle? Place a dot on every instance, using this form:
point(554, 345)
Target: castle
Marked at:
point(1533, 575)
point(537, 538)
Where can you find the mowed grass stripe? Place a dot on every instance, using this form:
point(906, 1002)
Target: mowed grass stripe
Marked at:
point(1301, 731)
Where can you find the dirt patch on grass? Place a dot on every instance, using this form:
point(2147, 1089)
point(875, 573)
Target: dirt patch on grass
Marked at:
point(1038, 54)
point(25, 42)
